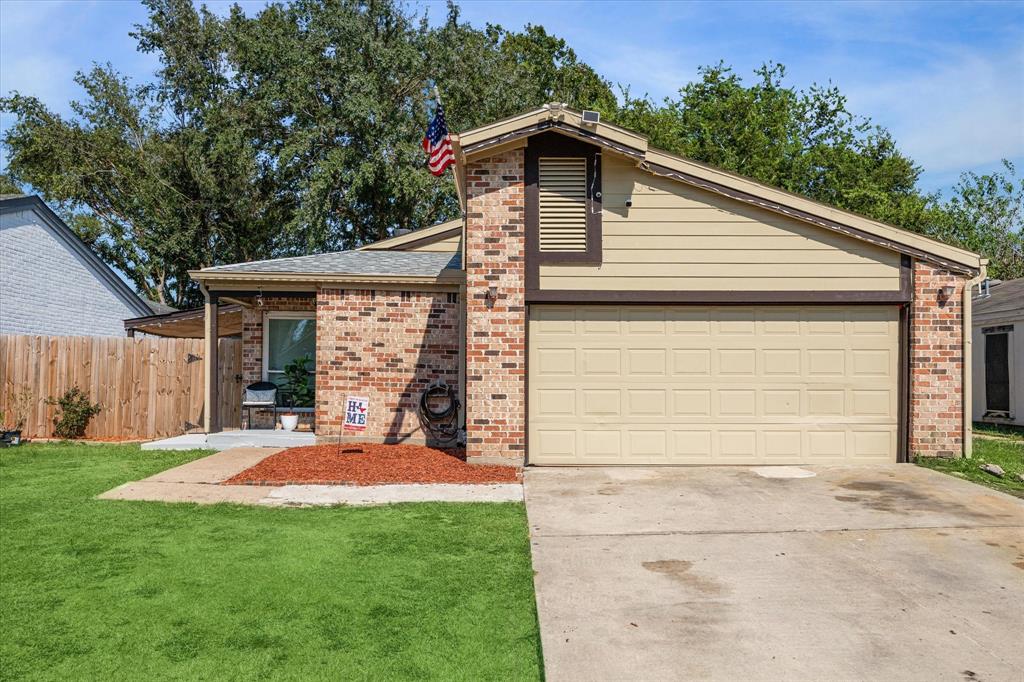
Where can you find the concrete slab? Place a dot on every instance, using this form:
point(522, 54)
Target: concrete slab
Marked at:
point(895, 573)
point(200, 493)
point(215, 468)
point(224, 440)
point(188, 441)
point(292, 495)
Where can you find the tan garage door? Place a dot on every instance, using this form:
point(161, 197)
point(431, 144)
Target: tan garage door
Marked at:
point(703, 385)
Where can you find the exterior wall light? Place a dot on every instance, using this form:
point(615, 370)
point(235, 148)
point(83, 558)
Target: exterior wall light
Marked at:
point(492, 296)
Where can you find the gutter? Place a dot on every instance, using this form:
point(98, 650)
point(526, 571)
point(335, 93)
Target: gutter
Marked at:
point(967, 360)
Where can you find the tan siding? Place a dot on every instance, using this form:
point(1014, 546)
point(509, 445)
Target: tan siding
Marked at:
point(448, 245)
point(676, 237)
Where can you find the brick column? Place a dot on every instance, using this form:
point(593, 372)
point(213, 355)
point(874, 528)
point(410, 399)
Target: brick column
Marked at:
point(936, 363)
point(496, 324)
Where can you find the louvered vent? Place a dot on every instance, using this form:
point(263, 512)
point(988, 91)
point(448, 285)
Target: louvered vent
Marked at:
point(563, 204)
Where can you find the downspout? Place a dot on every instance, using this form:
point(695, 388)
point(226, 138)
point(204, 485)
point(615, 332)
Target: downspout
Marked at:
point(966, 358)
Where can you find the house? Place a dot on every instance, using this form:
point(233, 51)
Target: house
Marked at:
point(998, 359)
point(605, 302)
point(53, 284)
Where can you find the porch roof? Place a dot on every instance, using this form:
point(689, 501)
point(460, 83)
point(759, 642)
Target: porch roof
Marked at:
point(363, 266)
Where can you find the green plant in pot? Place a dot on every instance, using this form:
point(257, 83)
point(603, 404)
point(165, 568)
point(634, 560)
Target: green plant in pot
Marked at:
point(299, 387)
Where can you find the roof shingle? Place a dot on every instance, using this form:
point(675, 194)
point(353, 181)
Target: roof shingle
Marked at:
point(402, 263)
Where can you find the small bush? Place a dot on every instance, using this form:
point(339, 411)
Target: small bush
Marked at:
point(74, 413)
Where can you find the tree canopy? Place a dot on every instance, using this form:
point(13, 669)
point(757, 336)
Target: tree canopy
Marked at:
point(296, 129)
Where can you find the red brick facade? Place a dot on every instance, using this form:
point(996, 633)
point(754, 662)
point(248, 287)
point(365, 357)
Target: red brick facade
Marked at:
point(496, 323)
point(387, 346)
point(936, 363)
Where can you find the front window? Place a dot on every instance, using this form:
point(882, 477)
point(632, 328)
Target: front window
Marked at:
point(288, 339)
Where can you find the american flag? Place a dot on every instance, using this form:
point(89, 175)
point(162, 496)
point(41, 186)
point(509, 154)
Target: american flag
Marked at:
point(438, 144)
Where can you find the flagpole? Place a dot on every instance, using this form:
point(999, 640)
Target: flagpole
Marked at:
point(437, 95)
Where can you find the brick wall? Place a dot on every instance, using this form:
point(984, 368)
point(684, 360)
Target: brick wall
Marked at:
point(252, 347)
point(387, 346)
point(47, 288)
point(936, 363)
point(495, 329)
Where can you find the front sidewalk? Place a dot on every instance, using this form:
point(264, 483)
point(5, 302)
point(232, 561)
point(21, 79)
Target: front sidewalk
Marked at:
point(201, 481)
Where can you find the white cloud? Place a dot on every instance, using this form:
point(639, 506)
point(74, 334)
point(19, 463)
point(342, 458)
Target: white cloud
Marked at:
point(963, 111)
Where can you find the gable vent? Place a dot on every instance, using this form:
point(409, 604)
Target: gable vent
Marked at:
point(562, 186)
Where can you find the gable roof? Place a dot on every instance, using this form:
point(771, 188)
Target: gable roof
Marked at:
point(1005, 300)
point(510, 132)
point(419, 237)
point(11, 203)
point(342, 266)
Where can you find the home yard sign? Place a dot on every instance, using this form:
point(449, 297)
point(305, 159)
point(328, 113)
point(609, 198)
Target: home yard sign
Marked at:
point(357, 409)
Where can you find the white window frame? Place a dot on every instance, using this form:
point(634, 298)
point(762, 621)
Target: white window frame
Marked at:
point(282, 315)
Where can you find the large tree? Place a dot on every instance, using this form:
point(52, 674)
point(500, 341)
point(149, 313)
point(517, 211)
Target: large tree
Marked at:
point(297, 129)
point(294, 130)
point(803, 141)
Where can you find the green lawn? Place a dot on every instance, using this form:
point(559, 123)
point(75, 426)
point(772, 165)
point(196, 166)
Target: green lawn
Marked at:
point(1009, 454)
point(93, 589)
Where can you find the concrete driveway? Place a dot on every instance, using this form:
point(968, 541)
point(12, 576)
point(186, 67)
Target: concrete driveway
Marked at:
point(882, 573)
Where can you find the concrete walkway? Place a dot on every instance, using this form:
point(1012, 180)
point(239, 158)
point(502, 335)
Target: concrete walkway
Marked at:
point(728, 573)
point(200, 481)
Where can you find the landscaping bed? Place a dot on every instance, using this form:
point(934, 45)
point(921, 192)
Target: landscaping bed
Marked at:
point(371, 464)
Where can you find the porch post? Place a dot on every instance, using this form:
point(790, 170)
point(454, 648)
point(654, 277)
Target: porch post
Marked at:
point(211, 418)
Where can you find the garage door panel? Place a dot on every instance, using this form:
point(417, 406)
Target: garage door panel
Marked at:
point(648, 384)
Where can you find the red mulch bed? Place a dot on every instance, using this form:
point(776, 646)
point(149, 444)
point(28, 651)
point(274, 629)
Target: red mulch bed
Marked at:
point(370, 464)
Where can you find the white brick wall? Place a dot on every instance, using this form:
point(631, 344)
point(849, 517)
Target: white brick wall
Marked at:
point(45, 288)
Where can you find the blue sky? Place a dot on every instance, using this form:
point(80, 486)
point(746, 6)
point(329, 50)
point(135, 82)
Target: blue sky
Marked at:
point(946, 78)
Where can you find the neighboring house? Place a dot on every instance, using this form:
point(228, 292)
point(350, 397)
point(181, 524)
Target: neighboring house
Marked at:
point(53, 284)
point(605, 302)
point(999, 353)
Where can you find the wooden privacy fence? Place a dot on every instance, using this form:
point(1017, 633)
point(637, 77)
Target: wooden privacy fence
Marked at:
point(146, 387)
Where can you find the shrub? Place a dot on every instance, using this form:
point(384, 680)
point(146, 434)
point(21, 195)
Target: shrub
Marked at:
point(74, 413)
point(21, 406)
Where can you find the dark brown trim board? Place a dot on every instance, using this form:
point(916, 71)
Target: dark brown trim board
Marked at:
point(903, 388)
point(717, 297)
point(553, 144)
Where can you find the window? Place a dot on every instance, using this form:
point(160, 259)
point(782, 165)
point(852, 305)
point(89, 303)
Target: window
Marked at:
point(286, 337)
point(562, 200)
point(997, 370)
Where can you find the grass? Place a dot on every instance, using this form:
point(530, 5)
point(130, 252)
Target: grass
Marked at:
point(94, 589)
point(1001, 430)
point(1009, 454)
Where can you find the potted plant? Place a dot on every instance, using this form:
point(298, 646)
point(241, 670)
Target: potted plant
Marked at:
point(298, 389)
point(20, 404)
